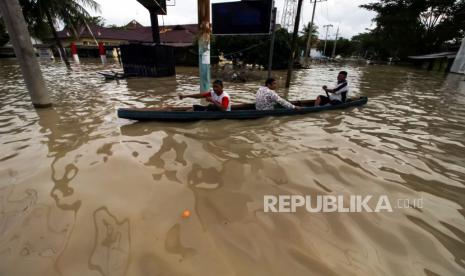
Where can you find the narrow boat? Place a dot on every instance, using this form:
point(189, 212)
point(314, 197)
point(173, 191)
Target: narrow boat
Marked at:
point(238, 112)
point(113, 75)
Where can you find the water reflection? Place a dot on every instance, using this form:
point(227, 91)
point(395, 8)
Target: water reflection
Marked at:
point(112, 244)
point(60, 166)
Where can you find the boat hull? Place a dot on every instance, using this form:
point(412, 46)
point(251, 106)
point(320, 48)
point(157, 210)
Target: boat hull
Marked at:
point(144, 114)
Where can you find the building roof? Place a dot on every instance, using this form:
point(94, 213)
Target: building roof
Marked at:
point(175, 35)
point(133, 25)
point(436, 55)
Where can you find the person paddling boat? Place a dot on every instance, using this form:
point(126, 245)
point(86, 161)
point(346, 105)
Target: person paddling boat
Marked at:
point(219, 100)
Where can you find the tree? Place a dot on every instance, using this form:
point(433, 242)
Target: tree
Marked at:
point(366, 45)
point(96, 21)
point(43, 15)
point(411, 27)
point(255, 49)
point(304, 37)
point(344, 47)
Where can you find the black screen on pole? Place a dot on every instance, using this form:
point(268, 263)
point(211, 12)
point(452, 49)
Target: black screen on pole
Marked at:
point(245, 17)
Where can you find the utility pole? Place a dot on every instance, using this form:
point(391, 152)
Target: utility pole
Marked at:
point(335, 43)
point(310, 30)
point(294, 44)
point(155, 28)
point(273, 29)
point(24, 51)
point(204, 43)
point(326, 37)
point(155, 8)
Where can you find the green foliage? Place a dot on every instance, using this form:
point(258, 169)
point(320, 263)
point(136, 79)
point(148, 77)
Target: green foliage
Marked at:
point(255, 49)
point(411, 27)
point(304, 37)
point(71, 13)
point(96, 21)
point(344, 47)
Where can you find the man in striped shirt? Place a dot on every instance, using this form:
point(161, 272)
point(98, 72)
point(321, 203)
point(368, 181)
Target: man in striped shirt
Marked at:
point(338, 94)
point(266, 97)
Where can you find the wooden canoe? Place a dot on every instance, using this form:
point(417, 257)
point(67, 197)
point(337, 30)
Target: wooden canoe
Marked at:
point(238, 112)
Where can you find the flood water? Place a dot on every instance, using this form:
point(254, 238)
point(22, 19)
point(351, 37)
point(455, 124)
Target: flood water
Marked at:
point(83, 192)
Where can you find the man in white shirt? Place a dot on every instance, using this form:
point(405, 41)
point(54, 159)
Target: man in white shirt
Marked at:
point(338, 94)
point(266, 97)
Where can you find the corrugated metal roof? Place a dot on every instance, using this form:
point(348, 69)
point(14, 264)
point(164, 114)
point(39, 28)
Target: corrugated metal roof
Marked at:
point(175, 34)
point(436, 55)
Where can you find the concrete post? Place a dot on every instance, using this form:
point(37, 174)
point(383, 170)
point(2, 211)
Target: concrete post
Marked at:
point(273, 35)
point(204, 43)
point(74, 52)
point(102, 52)
point(25, 54)
point(333, 55)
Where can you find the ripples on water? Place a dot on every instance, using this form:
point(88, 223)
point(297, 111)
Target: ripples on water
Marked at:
point(83, 192)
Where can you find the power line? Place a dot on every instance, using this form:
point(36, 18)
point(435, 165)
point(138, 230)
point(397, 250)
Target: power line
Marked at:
point(310, 30)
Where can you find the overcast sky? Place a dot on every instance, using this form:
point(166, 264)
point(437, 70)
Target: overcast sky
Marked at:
point(345, 13)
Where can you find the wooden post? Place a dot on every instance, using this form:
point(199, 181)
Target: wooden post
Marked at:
point(273, 30)
point(24, 51)
point(204, 43)
point(155, 28)
point(333, 55)
point(294, 44)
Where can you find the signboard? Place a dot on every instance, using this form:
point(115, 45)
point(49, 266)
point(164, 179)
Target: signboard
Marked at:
point(157, 6)
point(242, 18)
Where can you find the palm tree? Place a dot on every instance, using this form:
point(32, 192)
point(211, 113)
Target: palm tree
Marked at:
point(43, 15)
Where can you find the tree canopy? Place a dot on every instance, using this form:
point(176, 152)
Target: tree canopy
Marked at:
point(43, 15)
point(255, 49)
point(410, 27)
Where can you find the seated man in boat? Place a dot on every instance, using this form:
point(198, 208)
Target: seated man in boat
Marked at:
point(338, 94)
point(218, 99)
point(266, 97)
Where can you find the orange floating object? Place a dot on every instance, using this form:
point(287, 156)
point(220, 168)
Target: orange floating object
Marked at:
point(186, 214)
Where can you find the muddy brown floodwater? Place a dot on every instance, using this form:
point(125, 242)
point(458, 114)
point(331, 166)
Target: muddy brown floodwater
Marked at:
point(85, 193)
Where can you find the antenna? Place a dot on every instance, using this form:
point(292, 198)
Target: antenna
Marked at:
point(289, 11)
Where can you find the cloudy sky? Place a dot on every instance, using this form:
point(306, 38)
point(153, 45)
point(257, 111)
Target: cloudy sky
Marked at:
point(345, 13)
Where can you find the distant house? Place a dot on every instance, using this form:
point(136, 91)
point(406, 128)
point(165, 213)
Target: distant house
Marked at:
point(182, 37)
point(43, 50)
point(436, 62)
point(174, 35)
